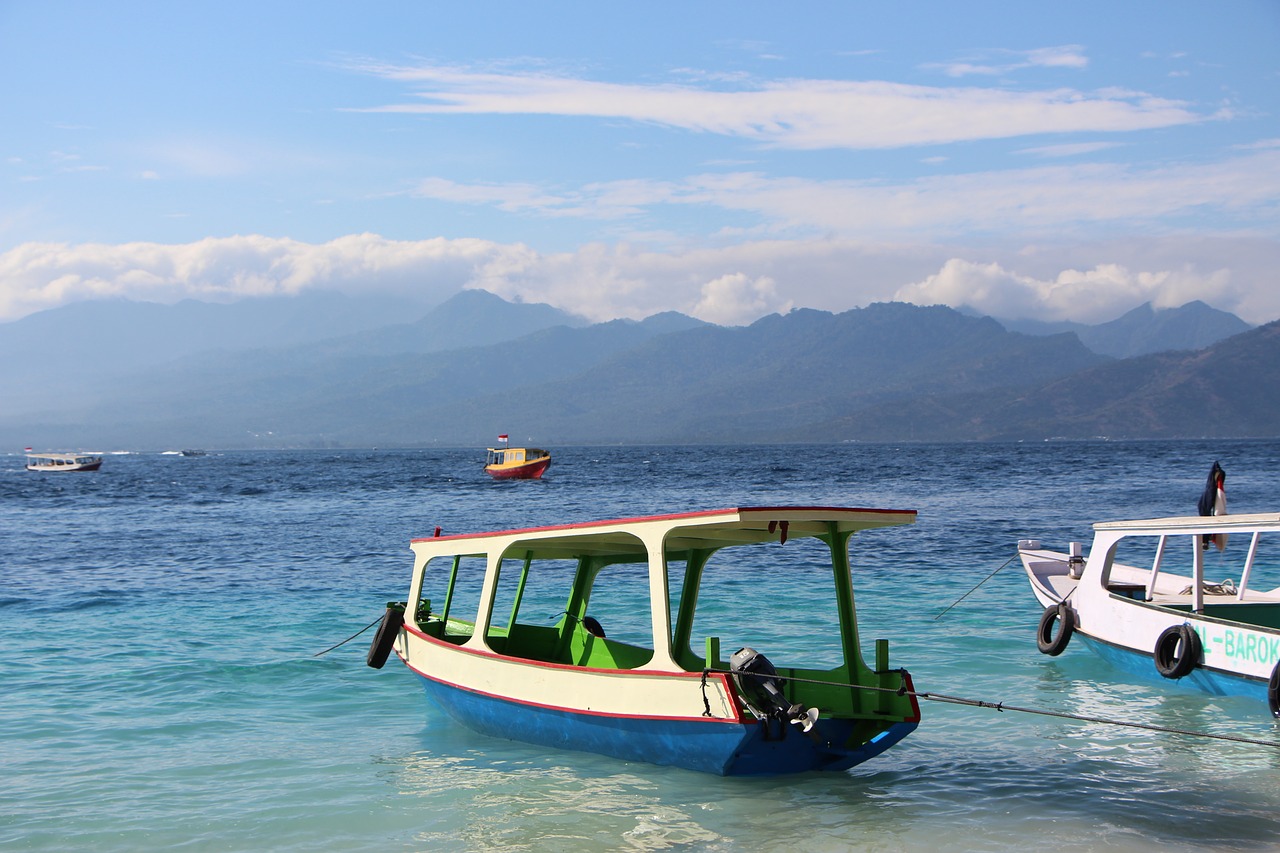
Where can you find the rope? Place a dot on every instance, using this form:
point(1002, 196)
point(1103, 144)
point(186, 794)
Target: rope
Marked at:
point(349, 639)
point(1001, 706)
point(975, 589)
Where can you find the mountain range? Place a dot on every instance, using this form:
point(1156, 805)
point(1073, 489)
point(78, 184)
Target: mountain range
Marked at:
point(338, 371)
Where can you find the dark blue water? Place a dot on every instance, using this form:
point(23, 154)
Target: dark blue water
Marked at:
point(161, 689)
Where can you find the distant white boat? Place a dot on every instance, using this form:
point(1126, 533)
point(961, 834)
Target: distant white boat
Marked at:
point(64, 461)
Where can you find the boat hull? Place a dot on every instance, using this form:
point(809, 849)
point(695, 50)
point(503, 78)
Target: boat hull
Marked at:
point(1214, 682)
point(528, 471)
point(722, 747)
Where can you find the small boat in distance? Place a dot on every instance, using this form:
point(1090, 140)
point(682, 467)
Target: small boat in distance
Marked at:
point(475, 627)
point(64, 461)
point(516, 463)
point(1156, 612)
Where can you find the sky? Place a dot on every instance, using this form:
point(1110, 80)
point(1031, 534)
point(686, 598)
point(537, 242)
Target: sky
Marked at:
point(1064, 161)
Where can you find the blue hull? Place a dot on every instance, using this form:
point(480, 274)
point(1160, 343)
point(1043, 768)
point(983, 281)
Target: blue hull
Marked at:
point(711, 746)
point(1213, 682)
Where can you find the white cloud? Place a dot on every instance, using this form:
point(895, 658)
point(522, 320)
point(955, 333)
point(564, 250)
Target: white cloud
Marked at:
point(35, 276)
point(799, 113)
point(737, 299)
point(1088, 296)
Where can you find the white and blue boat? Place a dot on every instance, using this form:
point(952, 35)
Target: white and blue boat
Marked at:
point(508, 633)
point(1143, 598)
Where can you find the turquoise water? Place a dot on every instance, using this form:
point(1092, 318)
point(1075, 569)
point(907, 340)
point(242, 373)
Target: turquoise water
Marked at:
point(162, 690)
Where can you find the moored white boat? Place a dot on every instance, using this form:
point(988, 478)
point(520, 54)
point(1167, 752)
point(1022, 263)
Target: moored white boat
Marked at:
point(1143, 599)
point(498, 627)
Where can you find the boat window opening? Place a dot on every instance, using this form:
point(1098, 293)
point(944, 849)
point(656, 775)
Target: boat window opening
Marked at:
point(1161, 565)
point(618, 599)
point(777, 599)
point(452, 587)
point(530, 606)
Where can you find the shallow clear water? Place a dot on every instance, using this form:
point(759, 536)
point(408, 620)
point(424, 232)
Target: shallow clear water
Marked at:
point(161, 621)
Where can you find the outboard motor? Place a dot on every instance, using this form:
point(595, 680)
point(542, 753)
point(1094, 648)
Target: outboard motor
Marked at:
point(761, 687)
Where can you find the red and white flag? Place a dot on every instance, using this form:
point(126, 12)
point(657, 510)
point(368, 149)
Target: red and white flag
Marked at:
point(502, 437)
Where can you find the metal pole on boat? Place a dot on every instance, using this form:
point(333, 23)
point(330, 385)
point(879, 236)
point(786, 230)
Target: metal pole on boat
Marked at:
point(1248, 565)
point(1197, 576)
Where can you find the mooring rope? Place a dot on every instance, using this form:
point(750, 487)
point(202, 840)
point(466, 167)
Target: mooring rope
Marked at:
point(1001, 706)
point(349, 639)
point(975, 589)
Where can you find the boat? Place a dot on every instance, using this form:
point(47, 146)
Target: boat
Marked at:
point(1142, 601)
point(516, 463)
point(507, 631)
point(64, 461)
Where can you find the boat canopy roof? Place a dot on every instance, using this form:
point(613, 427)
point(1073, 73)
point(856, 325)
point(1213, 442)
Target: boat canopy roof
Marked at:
point(710, 529)
point(1192, 523)
point(64, 456)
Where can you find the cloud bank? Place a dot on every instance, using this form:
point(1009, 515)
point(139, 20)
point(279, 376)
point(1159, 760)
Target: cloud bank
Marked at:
point(729, 285)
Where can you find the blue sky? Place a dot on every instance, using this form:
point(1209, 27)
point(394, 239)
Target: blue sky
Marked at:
point(726, 160)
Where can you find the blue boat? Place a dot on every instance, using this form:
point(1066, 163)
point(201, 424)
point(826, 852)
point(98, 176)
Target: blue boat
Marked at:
point(475, 628)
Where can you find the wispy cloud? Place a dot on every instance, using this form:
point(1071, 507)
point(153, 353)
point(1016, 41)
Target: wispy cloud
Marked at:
point(795, 114)
point(1073, 149)
point(1001, 62)
point(1049, 198)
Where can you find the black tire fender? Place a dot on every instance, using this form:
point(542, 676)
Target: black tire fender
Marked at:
point(1046, 641)
point(1273, 690)
point(380, 648)
point(1169, 663)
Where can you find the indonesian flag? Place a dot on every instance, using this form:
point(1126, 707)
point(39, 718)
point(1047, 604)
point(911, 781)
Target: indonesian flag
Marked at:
point(26, 450)
point(502, 437)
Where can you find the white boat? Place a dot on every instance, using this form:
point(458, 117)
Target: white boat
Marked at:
point(500, 634)
point(1144, 600)
point(64, 461)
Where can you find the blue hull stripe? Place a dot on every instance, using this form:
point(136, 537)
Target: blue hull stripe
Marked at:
point(721, 747)
point(1211, 681)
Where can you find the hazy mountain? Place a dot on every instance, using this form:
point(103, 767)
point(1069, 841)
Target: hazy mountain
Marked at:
point(65, 353)
point(1228, 390)
point(469, 318)
point(888, 372)
point(666, 379)
point(1145, 330)
point(81, 352)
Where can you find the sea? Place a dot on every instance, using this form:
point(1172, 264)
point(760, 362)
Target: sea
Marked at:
point(183, 642)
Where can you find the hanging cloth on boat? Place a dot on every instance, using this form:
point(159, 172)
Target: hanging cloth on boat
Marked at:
point(1213, 501)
